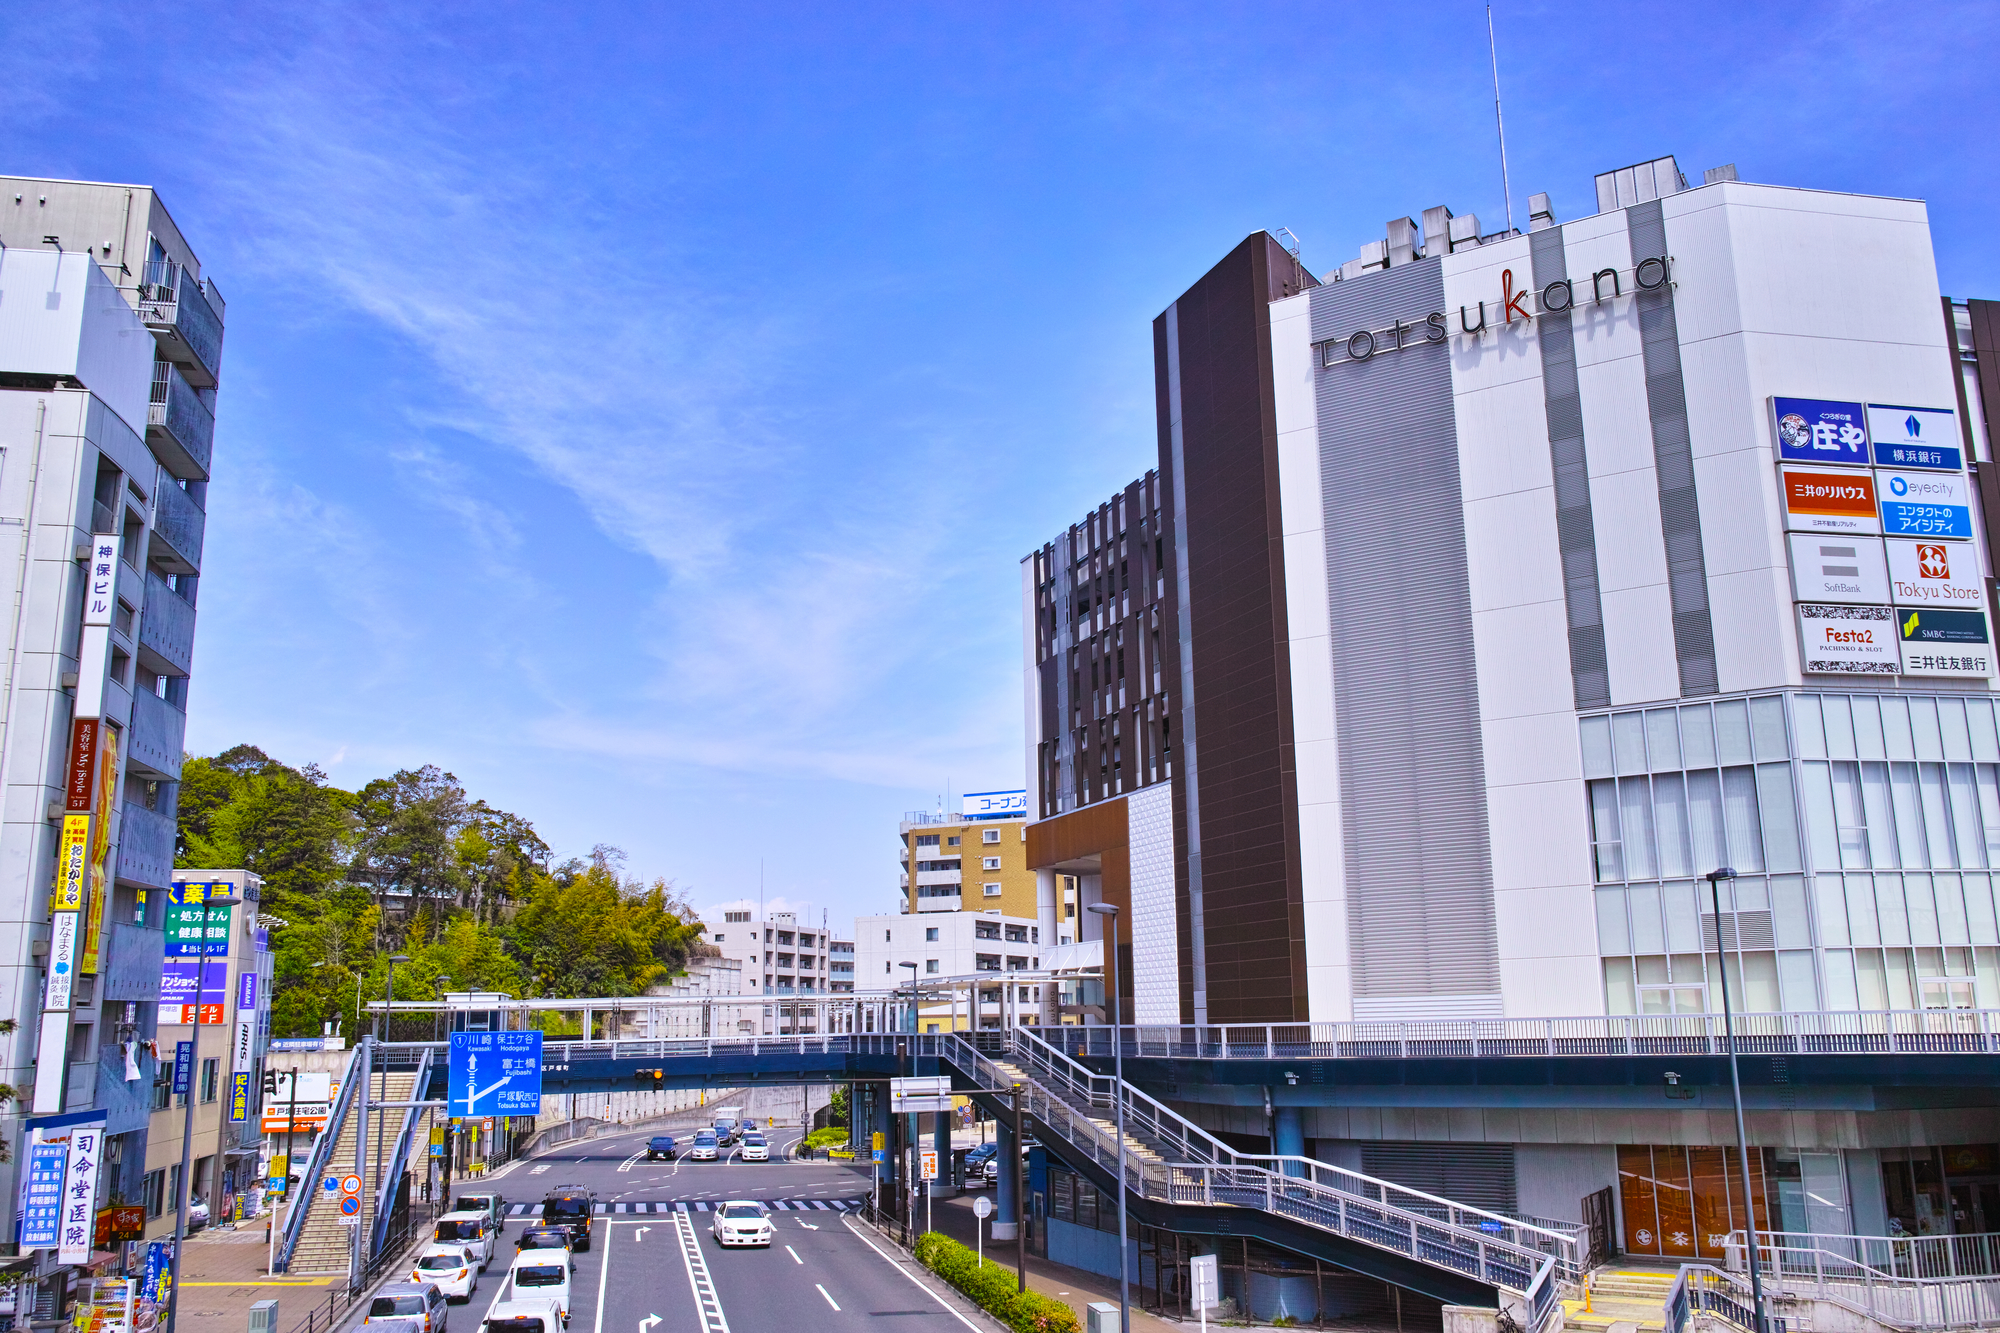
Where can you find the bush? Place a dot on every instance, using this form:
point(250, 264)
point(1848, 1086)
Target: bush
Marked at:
point(833, 1137)
point(993, 1287)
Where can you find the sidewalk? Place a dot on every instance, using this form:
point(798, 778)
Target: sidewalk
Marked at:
point(1072, 1286)
point(222, 1275)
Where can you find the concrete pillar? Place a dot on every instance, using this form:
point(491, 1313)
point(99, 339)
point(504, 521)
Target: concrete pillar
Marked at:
point(878, 1105)
point(1288, 1137)
point(1005, 1206)
point(941, 1188)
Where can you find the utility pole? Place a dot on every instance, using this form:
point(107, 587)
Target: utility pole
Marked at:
point(1018, 1167)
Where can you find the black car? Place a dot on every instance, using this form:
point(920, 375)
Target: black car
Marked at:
point(542, 1238)
point(660, 1145)
point(569, 1208)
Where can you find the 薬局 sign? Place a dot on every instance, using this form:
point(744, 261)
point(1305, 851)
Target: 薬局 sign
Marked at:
point(196, 968)
point(1849, 640)
point(1942, 574)
point(1836, 502)
point(496, 1073)
point(1924, 504)
point(1945, 643)
point(239, 1097)
point(1838, 569)
point(1915, 437)
point(1815, 430)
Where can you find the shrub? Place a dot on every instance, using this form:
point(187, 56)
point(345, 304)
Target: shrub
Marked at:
point(834, 1137)
point(994, 1287)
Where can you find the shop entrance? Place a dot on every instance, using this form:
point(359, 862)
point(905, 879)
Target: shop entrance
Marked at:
point(1683, 1202)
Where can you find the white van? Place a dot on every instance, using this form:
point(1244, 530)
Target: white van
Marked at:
point(539, 1275)
point(523, 1316)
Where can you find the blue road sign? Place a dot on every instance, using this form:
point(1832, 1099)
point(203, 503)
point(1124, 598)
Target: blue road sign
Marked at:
point(496, 1073)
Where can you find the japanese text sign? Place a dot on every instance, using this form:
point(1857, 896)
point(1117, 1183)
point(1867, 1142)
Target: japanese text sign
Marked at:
point(41, 1223)
point(496, 1073)
point(1907, 437)
point(1924, 504)
point(1813, 430)
point(101, 589)
point(79, 1202)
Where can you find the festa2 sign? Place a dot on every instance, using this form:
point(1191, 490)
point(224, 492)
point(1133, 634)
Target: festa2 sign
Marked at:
point(496, 1073)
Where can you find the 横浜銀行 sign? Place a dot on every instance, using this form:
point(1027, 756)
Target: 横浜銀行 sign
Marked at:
point(1915, 437)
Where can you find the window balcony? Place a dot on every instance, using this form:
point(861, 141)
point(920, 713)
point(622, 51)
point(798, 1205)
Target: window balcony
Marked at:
point(178, 525)
point(166, 630)
point(145, 846)
point(186, 320)
point(154, 739)
point(179, 426)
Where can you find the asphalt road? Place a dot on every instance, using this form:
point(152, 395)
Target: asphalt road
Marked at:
point(654, 1267)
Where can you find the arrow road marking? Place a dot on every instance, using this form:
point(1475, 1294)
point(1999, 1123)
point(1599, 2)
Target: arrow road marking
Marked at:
point(647, 1323)
point(640, 1234)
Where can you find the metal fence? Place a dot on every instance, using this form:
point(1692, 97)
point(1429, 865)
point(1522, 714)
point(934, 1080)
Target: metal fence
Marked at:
point(1799, 1272)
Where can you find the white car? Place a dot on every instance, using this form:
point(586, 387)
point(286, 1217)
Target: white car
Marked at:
point(538, 1275)
point(474, 1230)
point(453, 1267)
point(704, 1149)
point(523, 1316)
point(742, 1222)
point(755, 1149)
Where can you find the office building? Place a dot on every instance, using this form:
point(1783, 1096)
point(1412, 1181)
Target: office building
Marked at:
point(1486, 593)
point(110, 352)
point(973, 859)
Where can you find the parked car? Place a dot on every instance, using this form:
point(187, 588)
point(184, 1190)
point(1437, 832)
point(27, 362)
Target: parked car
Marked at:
point(475, 1231)
point(483, 1201)
point(413, 1300)
point(705, 1149)
point(660, 1146)
point(395, 1324)
point(570, 1207)
point(539, 1275)
point(742, 1222)
point(755, 1149)
point(197, 1214)
point(454, 1267)
point(527, 1315)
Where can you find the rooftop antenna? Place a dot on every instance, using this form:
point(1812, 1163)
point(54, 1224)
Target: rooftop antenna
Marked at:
point(1506, 187)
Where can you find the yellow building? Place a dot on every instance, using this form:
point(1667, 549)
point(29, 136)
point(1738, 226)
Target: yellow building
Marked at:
point(974, 859)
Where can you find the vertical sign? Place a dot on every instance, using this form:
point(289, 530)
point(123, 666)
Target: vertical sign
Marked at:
point(79, 1202)
point(81, 784)
point(183, 1067)
point(72, 863)
point(102, 594)
point(41, 1219)
point(100, 845)
point(1206, 1281)
point(239, 1097)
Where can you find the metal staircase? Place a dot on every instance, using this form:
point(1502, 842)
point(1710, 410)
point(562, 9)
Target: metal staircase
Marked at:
point(1169, 1160)
point(314, 1239)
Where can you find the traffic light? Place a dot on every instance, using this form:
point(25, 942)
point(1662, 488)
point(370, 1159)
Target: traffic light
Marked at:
point(270, 1083)
point(650, 1080)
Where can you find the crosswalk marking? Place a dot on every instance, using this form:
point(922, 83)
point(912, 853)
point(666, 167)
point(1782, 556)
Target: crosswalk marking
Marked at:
point(707, 1303)
point(657, 1206)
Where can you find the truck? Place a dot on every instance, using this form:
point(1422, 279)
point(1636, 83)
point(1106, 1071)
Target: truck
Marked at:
point(729, 1124)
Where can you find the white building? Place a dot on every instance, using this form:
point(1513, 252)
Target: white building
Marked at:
point(889, 951)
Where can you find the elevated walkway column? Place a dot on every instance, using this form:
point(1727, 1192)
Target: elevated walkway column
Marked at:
point(1288, 1137)
point(1005, 1205)
point(941, 1122)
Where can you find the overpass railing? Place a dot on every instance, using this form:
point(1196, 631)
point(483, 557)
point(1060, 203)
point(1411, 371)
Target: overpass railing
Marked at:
point(1900, 1032)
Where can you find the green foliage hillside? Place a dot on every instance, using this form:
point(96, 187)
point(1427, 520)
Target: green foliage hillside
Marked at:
point(411, 864)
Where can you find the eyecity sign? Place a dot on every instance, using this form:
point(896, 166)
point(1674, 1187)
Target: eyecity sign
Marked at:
point(1654, 273)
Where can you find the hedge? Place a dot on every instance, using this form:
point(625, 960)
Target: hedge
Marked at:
point(834, 1136)
point(994, 1287)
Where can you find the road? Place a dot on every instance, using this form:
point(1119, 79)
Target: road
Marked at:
point(652, 1250)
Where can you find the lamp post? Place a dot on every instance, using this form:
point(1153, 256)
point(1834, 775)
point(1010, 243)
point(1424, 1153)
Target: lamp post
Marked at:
point(1715, 878)
point(1109, 912)
point(909, 1135)
point(210, 902)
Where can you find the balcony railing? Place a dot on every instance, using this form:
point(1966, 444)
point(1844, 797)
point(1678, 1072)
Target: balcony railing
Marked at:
point(183, 320)
point(178, 520)
point(166, 630)
point(180, 427)
point(157, 732)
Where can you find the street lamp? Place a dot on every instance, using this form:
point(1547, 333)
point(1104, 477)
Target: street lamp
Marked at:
point(1109, 911)
point(910, 1128)
point(1715, 878)
point(382, 1088)
point(210, 901)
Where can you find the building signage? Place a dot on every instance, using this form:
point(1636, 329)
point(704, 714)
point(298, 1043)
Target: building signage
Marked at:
point(1944, 574)
point(100, 847)
point(994, 804)
point(183, 1067)
point(79, 1218)
point(1518, 301)
point(1815, 430)
point(1915, 437)
point(1924, 504)
point(81, 783)
point(1945, 643)
point(1838, 569)
point(245, 1049)
point(246, 991)
point(41, 1217)
point(64, 927)
point(72, 864)
point(195, 969)
point(1836, 502)
point(102, 594)
point(239, 1097)
point(1850, 640)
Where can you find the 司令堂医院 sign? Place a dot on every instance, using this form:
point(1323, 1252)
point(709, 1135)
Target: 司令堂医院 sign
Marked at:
point(1836, 502)
point(1941, 574)
point(1838, 569)
point(1924, 437)
point(1944, 643)
point(1924, 504)
point(1815, 430)
point(1849, 640)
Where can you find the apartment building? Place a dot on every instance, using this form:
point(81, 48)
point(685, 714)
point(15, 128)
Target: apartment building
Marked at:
point(840, 967)
point(977, 949)
point(973, 859)
point(110, 352)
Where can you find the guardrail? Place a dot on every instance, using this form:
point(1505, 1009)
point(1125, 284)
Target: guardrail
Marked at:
point(1811, 1272)
point(1701, 1290)
point(1974, 1254)
point(1903, 1032)
point(322, 1153)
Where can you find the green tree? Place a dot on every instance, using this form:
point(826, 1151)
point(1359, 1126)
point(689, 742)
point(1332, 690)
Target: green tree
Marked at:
point(583, 932)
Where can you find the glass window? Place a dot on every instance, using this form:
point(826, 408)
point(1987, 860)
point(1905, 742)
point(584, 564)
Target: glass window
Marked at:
point(1697, 736)
point(1840, 992)
point(1663, 742)
point(1952, 927)
point(1790, 922)
point(1896, 736)
point(1596, 732)
point(1979, 920)
point(1619, 997)
point(1739, 813)
point(1890, 917)
point(1604, 831)
point(1705, 823)
point(1671, 825)
point(1989, 810)
point(1902, 978)
point(1821, 824)
point(1795, 980)
point(1951, 721)
point(1979, 721)
point(1767, 726)
point(1780, 817)
point(1645, 911)
point(1922, 907)
point(1876, 810)
point(1832, 909)
point(1862, 922)
point(1683, 914)
point(1868, 728)
point(1732, 732)
point(1937, 822)
point(1839, 728)
point(1909, 811)
point(1850, 823)
point(1806, 720)
point(1635, 820)
point(1629, 740)
point(1967, 839)
point(1870, 979)
point(1924, 728)
point(1613, 931)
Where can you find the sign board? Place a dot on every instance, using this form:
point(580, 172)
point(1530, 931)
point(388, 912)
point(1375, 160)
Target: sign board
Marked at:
point(350, 1210)
point(1850, 640)
point(79, 1219)
point(275, 1174)
point(80, 786)
point(908, 1096)
point(1924, 504)
point(1815, 430)
point(496, 1073)
point(1838, 502)
point(1945, 643)
point(982, 1207)
point(927, 1164)
point(64, 929)
point(102, 593)
point(1941, 574)
point(880, 1155)
point(1910, 437)
point(1205, 1281)
point(994, 804)
point(239, 1097)
point(41, 1220)
point(120, 1223)
point(1826, 568)
point(196, 968)
point(877, 1141)
point(183, 1067)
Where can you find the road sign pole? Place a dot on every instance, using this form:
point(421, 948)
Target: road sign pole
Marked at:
point(355, 1263)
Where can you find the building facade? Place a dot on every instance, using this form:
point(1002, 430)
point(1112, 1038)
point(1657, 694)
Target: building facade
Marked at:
point(1513, 582)
point(952, 955)
point(110, 351)
point(970, 860)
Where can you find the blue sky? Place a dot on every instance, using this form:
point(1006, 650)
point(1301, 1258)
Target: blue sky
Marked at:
point(641, 411)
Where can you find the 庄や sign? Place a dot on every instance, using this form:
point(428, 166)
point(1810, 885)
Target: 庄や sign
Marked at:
point(1815, 430)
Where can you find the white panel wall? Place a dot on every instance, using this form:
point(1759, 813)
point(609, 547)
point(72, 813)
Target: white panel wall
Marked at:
point(59, 315)
point(1329, 977)
point(1156, 979)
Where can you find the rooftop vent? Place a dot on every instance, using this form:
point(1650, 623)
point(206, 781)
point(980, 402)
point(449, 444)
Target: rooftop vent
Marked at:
point(1722, 173)
point(1639, 184)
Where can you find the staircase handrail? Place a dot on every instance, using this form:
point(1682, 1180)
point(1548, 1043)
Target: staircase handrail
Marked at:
point(389, 1171)
point(1963, 1254)
point(1813, 1273)
point(1704, 1288)
point(1152, 1113)
point(316, 1162)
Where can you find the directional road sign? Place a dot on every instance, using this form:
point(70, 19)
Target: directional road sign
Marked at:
point(910, 1095)
point(496, 1073)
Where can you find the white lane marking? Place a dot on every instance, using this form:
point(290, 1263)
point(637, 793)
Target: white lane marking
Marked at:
point(908, 1274)
point(626, 1165)
point(829, 1299)
point(537, 1170)
point(795, 1255)
point(705, 1299)
point(603, 1275)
